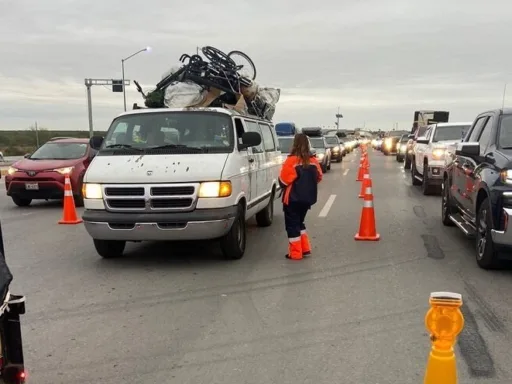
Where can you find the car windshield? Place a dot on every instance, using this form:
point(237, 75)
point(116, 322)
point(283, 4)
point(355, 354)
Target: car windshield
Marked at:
point(59, 151)
point(331, 140)
point(450, 132)
point(317, 142)
point(505, 139)
point(171, 132)
point(286, 144)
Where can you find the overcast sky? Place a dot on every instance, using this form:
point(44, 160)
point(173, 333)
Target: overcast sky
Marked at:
point(379, 60)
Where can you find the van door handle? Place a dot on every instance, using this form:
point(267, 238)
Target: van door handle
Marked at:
point(251, 160)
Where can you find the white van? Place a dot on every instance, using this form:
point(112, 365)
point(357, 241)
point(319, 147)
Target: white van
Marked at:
point(181, 174)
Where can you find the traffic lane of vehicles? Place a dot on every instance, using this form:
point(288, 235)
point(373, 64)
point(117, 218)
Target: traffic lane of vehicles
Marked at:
point(159, 313)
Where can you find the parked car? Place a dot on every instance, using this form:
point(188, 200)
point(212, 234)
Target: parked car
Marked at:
point(200, 184)
point(429, 155)
point(477, 187)
point(336, 148)
point(41, 175)
point(401, 148)
point(389, 145)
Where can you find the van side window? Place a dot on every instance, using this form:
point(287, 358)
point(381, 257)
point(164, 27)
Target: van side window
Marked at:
point(267, 138)
point(253, 127)
point(239, 127)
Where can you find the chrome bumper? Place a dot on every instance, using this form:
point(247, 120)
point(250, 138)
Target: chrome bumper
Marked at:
point(503, 237)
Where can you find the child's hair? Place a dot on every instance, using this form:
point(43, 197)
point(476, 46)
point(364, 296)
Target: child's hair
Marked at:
point(301, 149)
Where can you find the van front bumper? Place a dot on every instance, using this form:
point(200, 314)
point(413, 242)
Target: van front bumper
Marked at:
point(201, 224)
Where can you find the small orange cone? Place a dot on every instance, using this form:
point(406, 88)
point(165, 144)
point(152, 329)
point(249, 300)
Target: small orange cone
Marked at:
point(69, 215)
point(367, 183)
point(367, 230)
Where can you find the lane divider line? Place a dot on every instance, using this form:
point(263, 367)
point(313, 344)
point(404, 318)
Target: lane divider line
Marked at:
point(327, 207)
point(346, 171)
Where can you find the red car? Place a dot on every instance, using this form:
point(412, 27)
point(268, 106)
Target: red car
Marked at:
point(40, 176)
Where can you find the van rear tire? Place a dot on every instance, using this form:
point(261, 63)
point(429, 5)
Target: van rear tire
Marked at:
point(265, 217)
point(233, 243)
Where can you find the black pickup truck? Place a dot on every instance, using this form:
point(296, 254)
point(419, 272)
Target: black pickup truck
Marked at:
point(477, 187)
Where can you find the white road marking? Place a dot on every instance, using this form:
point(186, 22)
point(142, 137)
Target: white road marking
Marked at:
point(327, 207)
point(346, 171)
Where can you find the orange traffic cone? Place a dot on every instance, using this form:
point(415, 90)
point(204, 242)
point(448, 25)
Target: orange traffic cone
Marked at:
point(367, 183)
point(69, 215)
point(367, 230)
point(360, 172)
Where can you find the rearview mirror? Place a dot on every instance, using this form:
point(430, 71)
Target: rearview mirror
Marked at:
point(250, 139)
point(422, 140)
point(471, 149)
point(95, 142)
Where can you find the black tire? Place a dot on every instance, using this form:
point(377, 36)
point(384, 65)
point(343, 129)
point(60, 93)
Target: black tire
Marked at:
point(265, 217)
point(425, 186)
point(233, 54)
point(447, 207)
point(414, 173)
point(21, 202)
point(324, 168)
point(399, 159)
point(233, 243)
point(486, 255)
point(329, 165)
point(407, 164)
point(79, 199)
point(109, 249)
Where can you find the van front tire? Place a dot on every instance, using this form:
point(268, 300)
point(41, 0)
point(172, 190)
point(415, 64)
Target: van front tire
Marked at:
point(265, 217)
point(233, 243)
point(109, 249)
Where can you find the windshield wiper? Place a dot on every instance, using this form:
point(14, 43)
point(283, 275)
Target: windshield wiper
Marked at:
point(128, 146)
point(172, 146)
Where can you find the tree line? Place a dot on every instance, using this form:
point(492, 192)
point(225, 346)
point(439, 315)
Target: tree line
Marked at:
point(18, 143)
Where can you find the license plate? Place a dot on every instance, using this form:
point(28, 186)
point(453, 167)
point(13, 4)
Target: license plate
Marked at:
point(32, 186)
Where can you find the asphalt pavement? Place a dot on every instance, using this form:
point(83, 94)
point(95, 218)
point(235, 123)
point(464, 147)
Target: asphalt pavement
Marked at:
point(178, 313)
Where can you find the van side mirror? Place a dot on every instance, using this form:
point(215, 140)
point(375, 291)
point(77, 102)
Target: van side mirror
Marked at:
point(250, 139)
point(422, 140)
point(26, 155)
point(95, 142)
point(471, 149)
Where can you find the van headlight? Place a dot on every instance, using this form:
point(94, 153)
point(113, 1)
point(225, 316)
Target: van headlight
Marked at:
point(92, 191)
point(215, 189)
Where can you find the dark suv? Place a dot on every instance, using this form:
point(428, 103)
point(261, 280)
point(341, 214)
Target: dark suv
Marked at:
point(477, 187)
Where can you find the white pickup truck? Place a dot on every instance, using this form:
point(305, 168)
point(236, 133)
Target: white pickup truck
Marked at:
point(429, 152)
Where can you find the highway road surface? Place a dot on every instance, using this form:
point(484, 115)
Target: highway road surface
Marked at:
point(177, 313)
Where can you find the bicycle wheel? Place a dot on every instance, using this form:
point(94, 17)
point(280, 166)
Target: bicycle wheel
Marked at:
point(248, 68)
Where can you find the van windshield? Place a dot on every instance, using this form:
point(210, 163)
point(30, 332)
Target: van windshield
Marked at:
point(170, 132)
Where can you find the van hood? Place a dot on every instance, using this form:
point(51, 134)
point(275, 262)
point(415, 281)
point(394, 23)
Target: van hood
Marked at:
point(156, 168)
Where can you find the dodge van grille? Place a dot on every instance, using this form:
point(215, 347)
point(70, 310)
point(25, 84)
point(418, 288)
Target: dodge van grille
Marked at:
point(150, 197)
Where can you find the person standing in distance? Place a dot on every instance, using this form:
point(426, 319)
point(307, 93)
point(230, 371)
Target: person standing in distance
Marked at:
point(299, 180)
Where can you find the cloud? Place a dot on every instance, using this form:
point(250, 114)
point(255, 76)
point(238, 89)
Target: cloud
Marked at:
point(378, 60)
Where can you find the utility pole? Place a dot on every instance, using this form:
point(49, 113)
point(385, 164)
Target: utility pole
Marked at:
point(37, 135)
point(504, 95)
point(117, 86)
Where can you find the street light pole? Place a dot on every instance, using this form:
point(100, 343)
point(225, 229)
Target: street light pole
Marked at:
point(504, 95)
point(122, 66)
